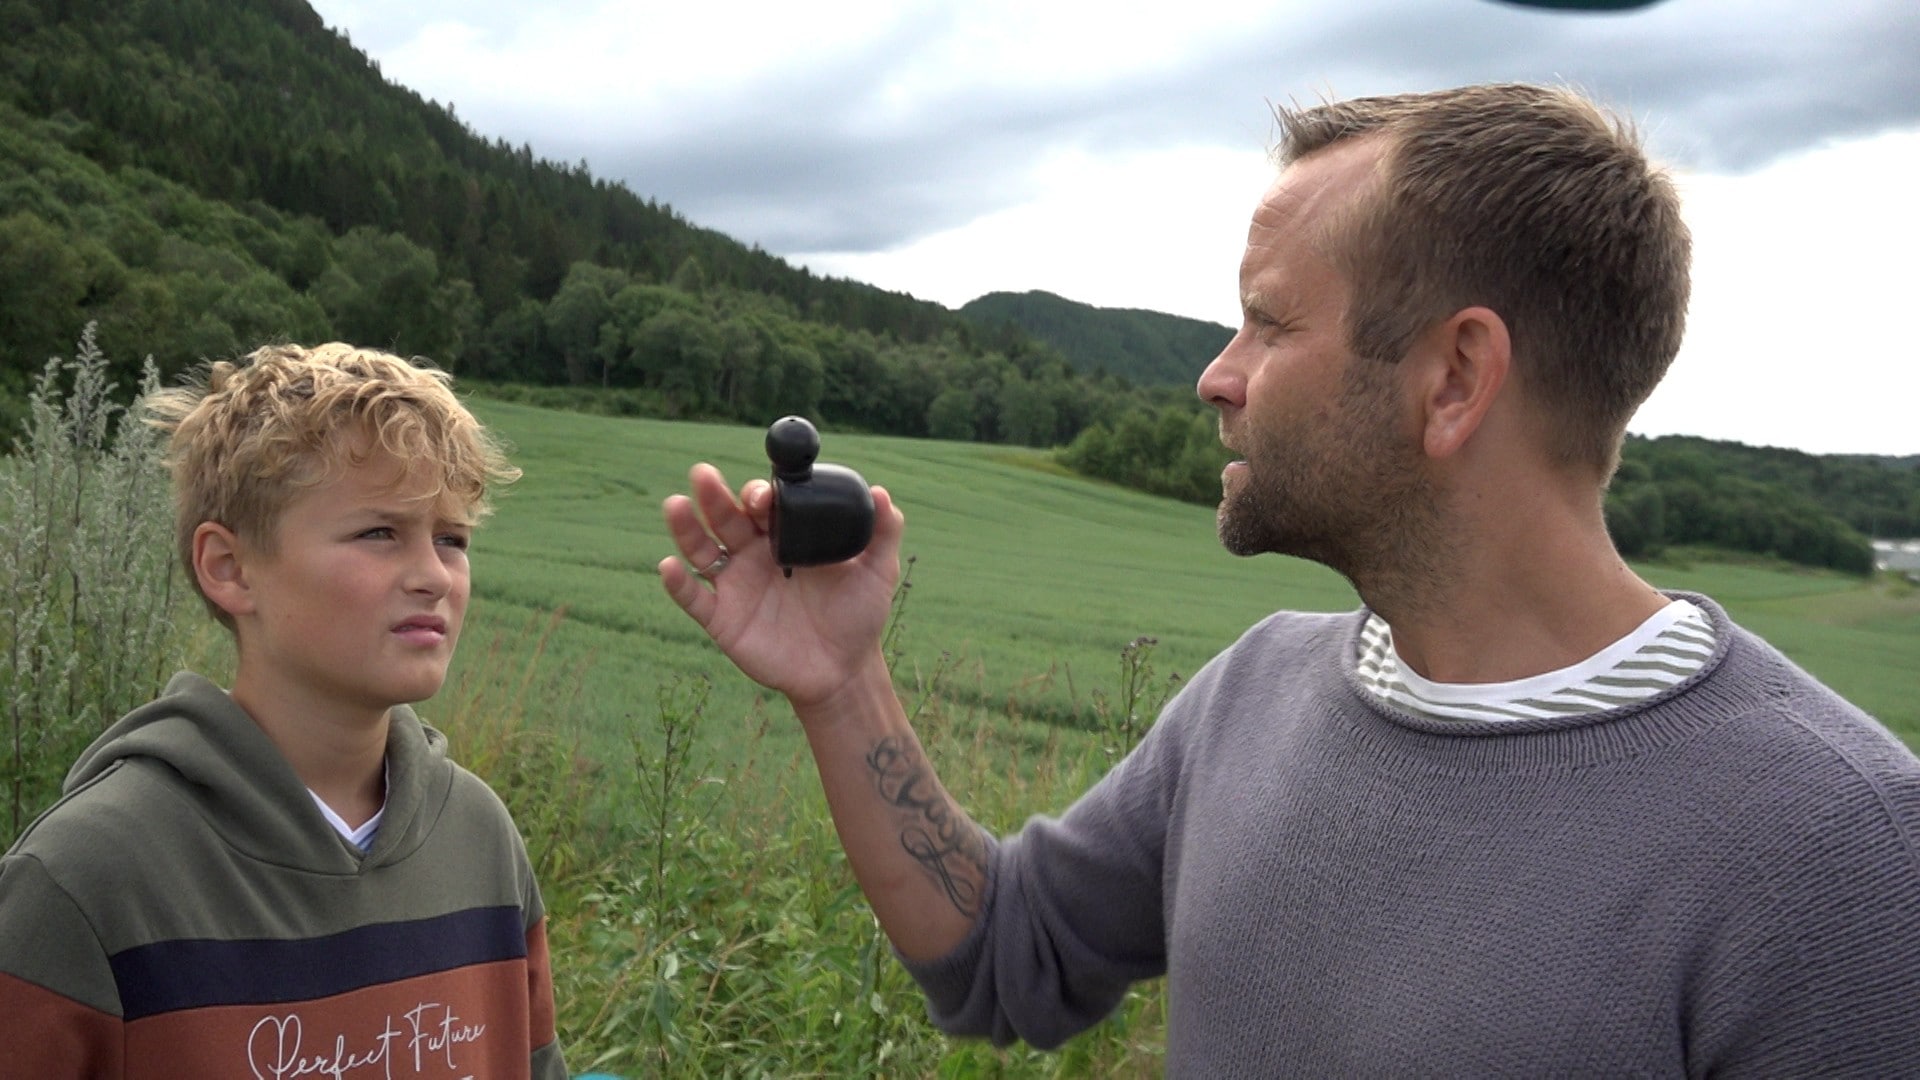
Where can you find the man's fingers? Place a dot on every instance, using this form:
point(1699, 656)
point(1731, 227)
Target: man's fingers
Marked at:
point(709, 522)
point(696, 601)
point(725, 518)
point(888, 526)
point(690, 535)
point(756, 498)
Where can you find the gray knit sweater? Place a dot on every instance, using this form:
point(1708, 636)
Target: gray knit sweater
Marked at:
point(1724, 881)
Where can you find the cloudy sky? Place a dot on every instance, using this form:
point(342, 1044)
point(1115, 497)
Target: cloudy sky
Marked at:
point(1112, 152)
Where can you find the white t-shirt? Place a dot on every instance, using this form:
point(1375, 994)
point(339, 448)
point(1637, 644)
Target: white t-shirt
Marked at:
point(361, 837)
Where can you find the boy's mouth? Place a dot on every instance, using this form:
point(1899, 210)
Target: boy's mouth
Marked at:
point(422, 628)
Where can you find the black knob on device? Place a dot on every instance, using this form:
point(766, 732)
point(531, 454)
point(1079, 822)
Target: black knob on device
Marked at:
point(821, 513)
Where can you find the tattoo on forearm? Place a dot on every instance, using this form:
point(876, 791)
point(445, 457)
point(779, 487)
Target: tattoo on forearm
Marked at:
point(936, 834)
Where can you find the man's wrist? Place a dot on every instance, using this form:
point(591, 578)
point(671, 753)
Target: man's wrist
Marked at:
point(864, 702)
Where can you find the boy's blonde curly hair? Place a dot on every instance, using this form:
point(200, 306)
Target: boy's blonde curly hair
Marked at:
point(246, 438)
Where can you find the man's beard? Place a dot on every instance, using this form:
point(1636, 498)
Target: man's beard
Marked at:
point(1347, 492)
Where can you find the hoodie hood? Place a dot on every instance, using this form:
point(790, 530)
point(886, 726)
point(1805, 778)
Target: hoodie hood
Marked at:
point(209, 750)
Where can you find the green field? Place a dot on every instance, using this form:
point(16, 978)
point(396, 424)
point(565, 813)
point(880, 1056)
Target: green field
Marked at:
point(1026, 583)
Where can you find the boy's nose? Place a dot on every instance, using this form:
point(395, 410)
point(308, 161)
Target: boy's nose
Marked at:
point(428, 572)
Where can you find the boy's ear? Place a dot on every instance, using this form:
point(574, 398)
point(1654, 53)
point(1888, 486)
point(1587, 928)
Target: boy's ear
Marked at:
point(218, 566)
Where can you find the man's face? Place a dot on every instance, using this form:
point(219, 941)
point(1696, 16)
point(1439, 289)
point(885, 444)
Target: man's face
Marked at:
point(1327, 468)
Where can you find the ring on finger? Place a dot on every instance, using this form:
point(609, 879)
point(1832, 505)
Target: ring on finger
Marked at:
point(719, 563)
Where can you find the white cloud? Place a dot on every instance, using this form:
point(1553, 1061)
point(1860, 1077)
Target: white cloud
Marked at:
point(1159, 230)
point(650, 67)
point(1804, 285)
point(627, 61)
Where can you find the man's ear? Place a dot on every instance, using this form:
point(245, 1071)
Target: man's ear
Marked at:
point(1466, 363)
point(219, 567)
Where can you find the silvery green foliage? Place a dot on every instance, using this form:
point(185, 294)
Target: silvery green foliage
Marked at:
point(87, 573)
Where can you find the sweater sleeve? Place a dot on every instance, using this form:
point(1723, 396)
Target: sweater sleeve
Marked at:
point(1820, 970)
point(59, 1011)
point(1074, 912)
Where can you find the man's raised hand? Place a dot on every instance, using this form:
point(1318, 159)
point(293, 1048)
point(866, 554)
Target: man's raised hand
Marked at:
point(806, 636)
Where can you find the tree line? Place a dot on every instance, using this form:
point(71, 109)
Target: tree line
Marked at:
point(1816, 510)
point(1674, 491)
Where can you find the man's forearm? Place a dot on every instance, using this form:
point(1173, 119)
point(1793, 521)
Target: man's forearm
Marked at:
point(921, 861)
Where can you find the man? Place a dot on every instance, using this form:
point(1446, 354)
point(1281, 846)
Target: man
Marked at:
point(1521, 815)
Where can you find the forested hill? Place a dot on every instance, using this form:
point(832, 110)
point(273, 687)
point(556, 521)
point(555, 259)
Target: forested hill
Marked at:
point(256, 102)
point(199, 176)
point(1149, 347)
point(1806, 508)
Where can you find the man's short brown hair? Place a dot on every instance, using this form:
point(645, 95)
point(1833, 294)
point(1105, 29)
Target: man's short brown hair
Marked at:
point(246, 438)
point(1532, 202)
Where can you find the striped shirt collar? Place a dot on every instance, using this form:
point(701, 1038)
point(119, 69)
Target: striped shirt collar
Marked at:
point(1666, 649)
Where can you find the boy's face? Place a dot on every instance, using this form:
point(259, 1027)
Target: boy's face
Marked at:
point(360, 605)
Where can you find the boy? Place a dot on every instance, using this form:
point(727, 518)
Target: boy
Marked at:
point(290, 878)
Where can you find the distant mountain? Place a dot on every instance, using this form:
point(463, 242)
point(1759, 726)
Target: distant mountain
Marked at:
point(1149, 347)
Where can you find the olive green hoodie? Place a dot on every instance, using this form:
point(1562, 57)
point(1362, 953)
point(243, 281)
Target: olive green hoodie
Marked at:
point(186, 910)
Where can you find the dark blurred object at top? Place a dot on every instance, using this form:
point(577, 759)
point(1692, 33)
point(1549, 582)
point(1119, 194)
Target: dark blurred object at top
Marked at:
point(1582, 5)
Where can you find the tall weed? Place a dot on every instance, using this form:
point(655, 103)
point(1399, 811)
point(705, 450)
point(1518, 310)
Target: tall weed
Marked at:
point(87, 573)
point(1141, 699)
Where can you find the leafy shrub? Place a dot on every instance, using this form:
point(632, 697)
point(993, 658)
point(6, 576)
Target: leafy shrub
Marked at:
point(1173, 451)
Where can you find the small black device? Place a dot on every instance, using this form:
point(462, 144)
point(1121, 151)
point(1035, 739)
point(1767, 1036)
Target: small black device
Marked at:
point(821, 513)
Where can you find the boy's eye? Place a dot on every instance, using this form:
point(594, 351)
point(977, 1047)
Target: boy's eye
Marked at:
point(378, 532)
point(453, 540)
